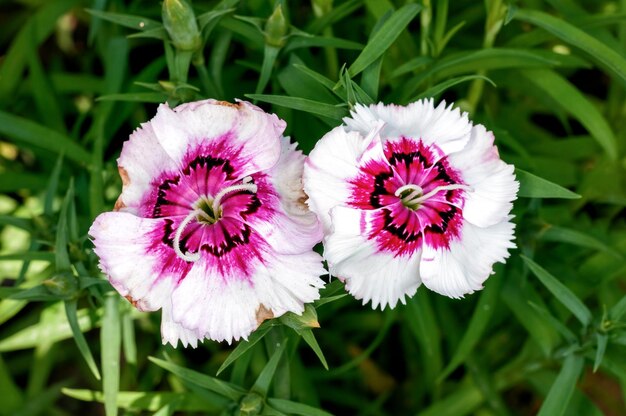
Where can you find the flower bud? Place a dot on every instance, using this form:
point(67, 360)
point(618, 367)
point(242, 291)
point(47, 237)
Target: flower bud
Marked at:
point(251, 405)
point(276, 28)
point(180, 23)
point(307, 320)
point(63, 284)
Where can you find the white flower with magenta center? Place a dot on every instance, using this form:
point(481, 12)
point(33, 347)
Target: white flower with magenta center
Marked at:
point(410, 195)
point(209, 226)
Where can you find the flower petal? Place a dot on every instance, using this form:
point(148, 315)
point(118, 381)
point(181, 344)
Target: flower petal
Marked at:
point(283, 219)
point(444, 126)
point(462, 269)
point(225, 308)
point(493, 181)
point(332, 164)
point(123, 243)
point(370, 274)
point(251, 134)
point(142, 159)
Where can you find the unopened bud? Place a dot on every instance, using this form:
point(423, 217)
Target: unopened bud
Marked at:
point(276, 28)
point(307, 320)
point(180, 23)
point(251, 405)
point(63, 284)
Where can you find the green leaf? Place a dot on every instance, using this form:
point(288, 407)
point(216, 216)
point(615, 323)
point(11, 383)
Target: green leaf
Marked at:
point(321, 41)
point(62, 256)
point(579, 238)
point(294, 408)
point(443, 86)
point(383, 39)
point(110, 343)
point(140, 97)
point(562, 390)
point(570, 99)
point(244, 346)
point(127, 20)
point(79, 337)
point(213, 384)
point(601, 342)
point(24, 131)
point(618, 310)
point(30, 255)
point(149, 401)
point(532, 186)
point(53, 185)
point(561, 292)
point(309, 338)
point(262, 383)
point(302, 104)
point(37, 293)
point(556, 323)
point(59, 330)
point(605, 56)
point(478, 323)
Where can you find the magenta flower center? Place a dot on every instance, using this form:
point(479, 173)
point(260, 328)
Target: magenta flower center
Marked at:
point(410, 198)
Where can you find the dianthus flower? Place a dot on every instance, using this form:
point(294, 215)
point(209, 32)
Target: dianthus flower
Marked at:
point(410, 195)
point(211, 226)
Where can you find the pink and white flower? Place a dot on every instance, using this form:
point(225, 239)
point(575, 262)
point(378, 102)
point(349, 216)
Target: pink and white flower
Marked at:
point(211, 226)
point(410, 195)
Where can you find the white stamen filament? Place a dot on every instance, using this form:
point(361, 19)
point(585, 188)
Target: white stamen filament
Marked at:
point(179, 232)
point(199, 212)
point(415, 198)
point(245, 186)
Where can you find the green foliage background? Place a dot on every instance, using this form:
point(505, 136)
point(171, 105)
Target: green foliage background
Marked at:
point(546, 335)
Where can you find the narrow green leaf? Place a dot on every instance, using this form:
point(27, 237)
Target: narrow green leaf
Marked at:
point(62, 256)
point(30, 255)
point(383, 39)
point(563, 388)
point(110, 343)
point(128, 338)
point(21, 223)
point(140, 97)
point(302, 104)
point(618, 310)
point(37, 293)
point(294, 408)
point(601, 342)
point(604, 55)
point(309, 338)
point(561, 292)
point(148, 401)
point(570, 99)
point(579, 238)
point(316, 76)
point(53, 185)
point(443, 86)
point(213, 384)
point(556, 323)
point(59, 330)
point(24, 131)
point(478, 323)
point(262, 383)
point(127, 20)
point(244, 346)
point(321, 41)
point(411, 65)
point(79, 337)
point(532, 186)
point(269, 59)
point(335, 15)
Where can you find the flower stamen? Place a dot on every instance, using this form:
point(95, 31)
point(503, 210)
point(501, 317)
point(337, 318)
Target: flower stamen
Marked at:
point(417, 196)
point(207, 212)
point(189, 256)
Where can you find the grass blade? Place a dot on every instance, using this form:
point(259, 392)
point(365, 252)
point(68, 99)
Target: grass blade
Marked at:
point(568, 97)
point(210, 383)
point(244, 346)
point(309, 338)
point(110, 343)
point(79, 337)
point(605, 56)
point(302, 104)
point(561, 292)
point(563, 388)
point(383, 39)
point(294, 408)
point(24, 131)
point(532, 186)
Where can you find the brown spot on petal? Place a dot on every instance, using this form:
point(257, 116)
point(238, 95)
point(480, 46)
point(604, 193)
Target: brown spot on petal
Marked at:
point(131, 300)
point(227, 104)
point(119, 204)
point(262, 313)
point(124, 176)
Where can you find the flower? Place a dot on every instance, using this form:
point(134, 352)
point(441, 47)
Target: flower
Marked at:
point(410, 195)
point(211, 226)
